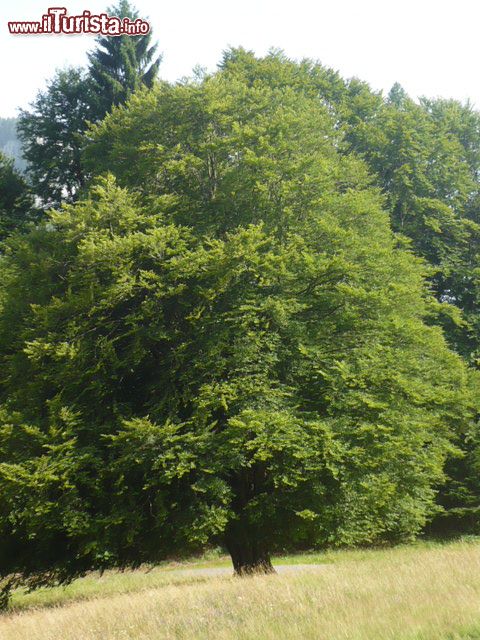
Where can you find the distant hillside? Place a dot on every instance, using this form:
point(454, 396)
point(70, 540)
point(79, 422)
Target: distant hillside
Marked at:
point(9, 142)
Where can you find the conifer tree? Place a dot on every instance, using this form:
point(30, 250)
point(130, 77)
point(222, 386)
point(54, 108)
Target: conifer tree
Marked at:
point(120, 65)
point(53, 130)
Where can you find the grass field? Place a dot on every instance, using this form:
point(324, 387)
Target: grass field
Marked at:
point(419, 592)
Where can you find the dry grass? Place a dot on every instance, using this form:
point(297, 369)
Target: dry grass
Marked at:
point(419, 593)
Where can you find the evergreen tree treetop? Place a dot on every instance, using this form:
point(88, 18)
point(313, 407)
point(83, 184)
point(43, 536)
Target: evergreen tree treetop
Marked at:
point(120, 65)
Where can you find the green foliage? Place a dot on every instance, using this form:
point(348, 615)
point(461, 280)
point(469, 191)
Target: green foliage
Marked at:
point(53, 131)
point(121, 65)
point(425, 159)
point(232, 346)
point(52, 136)
point(16, 206)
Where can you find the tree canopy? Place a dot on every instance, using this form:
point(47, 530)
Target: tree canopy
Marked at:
point(121, 65)
point(53, 130)
point(16, 206)
point(224, 342)
point(52, 136)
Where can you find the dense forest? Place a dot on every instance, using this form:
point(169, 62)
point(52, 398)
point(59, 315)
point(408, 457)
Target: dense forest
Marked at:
point(240, 309)
point(10, 145)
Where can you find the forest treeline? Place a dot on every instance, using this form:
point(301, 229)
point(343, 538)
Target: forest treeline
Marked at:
point(238, 309)
point(10, 146)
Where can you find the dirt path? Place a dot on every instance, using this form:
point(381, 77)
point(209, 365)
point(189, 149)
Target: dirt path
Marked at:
point(226, 571)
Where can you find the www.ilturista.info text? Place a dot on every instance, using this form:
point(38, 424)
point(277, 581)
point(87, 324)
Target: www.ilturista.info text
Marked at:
point(56, 21)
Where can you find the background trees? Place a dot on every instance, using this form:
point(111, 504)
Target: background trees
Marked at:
point(119, 66)
point(52, 136)
point(9, 142)
point(53, 131)
point(16, 206)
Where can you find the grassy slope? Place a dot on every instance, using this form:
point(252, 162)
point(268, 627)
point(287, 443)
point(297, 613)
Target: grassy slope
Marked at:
point(421, 592)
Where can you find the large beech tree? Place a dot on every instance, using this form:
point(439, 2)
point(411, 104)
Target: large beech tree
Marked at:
point(231, 347)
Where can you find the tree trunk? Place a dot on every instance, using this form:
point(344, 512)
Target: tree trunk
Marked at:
point(247, 538)
point(248, 555)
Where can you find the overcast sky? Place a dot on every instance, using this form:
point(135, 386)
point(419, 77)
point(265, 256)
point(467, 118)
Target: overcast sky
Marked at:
point(431, 47)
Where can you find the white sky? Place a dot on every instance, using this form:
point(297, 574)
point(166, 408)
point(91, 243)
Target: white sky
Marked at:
point(431, 47)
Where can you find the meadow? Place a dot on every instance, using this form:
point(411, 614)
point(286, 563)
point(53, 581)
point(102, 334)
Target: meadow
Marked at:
point(418, 592)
